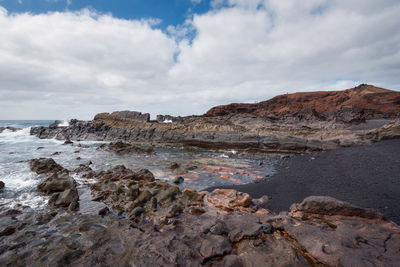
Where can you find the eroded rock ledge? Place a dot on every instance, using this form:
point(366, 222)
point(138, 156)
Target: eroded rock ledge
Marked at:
point(287, 123)
point(158, 224)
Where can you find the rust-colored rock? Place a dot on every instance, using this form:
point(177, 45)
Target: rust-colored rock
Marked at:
point(228, 199)
point(366, 100)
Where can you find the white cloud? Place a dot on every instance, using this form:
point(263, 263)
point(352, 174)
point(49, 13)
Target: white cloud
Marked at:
point(68, 64)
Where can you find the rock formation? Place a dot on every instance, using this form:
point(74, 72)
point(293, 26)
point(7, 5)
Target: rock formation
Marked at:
point(58, 184)
point(160, 225)
point(9, 128)
point(291, 123)
point(356, 104)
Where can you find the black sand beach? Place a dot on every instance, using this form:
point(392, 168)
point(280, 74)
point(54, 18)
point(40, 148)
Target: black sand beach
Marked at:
point(368, 176)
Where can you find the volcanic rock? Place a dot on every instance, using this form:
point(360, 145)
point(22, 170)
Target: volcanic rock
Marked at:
point(45, 165)
point(126, 116)
point(356, 104)
point(2, 184)
point(228, 199)
point(125, 148)
point(57, 182)
point(319, 231)
point(10, 128)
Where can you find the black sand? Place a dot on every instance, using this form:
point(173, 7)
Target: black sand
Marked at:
point(367, 176)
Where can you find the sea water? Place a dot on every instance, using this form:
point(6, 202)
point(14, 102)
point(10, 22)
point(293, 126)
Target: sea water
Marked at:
point(214, 168)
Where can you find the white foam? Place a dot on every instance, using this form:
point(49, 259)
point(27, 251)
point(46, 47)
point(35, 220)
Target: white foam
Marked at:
point(64, 123)
point(19, 136)
point(167, 121)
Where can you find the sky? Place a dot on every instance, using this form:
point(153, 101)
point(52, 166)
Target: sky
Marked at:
point(63, 59)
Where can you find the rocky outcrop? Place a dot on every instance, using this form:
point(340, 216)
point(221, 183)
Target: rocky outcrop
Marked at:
point(125, 116)
point(298, 130)
point(356, 104)
point(125, 148)
point(170, 227)
point(45, 165)
point(9, 128)
point(58, 184)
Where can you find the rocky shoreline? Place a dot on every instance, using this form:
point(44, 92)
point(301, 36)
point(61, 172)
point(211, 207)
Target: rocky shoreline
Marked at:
point(290, 123)
point(154, 223)
point(144, 221)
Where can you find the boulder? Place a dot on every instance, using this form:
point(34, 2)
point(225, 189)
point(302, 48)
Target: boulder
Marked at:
point(228, 199)
point(144, 175)
point(2, 185)
point(10, 128)
point(173, 166)
point(178, 180)
point(55, 124)
point(57, 182)
point(67, 198)
point(45, 165)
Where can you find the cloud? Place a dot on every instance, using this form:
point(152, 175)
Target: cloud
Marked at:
point(76, 64)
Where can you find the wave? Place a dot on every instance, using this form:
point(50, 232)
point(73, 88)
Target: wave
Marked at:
point(64, 123)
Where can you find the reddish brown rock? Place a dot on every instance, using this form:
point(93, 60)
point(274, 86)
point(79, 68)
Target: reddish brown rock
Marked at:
point(363, 98)
point(228, 199)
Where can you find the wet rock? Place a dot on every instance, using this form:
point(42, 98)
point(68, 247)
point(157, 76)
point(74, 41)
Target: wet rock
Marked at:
point(145, 175)
point(2, 185)
point(174, 210)
point(67, 198)
point(39, 148)
point(143, 197)
point(55, 124)
point(68, 142)
point(173, 166)
point(323, 205)
point(260, 201)
point(56, 153)
point(136, 212)
point(178, 180)
point(57, 182)
point(83, 168)
point(10, 128)
point(228, 199)
point(104, 211)
point(120, 147)
point(45, 165)
point(215, 245)
point(120, 172)
point(9, 230)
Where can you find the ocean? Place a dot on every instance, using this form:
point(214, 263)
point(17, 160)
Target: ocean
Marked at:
point(214, 168)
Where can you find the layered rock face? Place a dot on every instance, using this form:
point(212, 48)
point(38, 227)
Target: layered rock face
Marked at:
point(359, 103)
point(251, 128)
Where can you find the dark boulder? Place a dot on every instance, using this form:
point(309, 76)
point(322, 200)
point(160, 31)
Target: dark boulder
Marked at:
point(55, 124)
point(57, 182)
point(45, 165)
